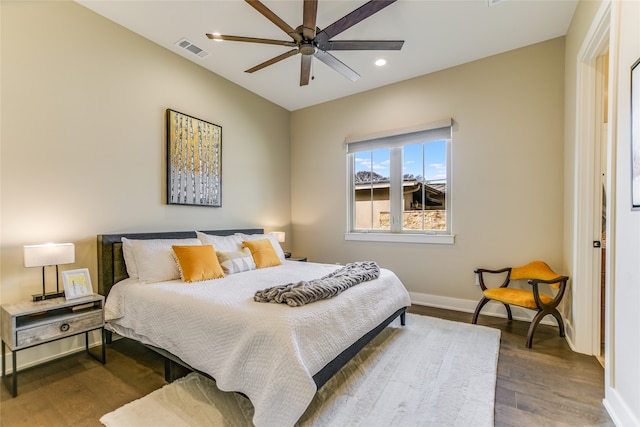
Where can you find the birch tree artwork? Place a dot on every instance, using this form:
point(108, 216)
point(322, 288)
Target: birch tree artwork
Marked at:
point(194, 154)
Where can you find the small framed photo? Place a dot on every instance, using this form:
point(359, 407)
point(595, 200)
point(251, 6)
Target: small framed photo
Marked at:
point(77, 283)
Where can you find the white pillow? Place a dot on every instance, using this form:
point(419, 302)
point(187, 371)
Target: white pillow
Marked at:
point(154, 258)
point(236, 261)
point(274, 242)
point(129, 260)
point(230, 243)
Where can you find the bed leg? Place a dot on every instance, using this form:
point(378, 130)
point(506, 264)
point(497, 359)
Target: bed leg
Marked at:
point(169, 374)
point(108, 336)
point(174, 370)
point(403, 318)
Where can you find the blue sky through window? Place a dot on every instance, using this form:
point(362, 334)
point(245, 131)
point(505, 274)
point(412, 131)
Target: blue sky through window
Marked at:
point(428, 160)
point(377, 161)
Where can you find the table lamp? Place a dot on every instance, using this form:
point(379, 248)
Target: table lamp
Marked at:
point(46, 255)
point(280, 235)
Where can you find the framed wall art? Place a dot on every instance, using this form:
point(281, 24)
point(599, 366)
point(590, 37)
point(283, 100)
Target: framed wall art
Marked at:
point(194, 161)
point(635, 135)
point(77, 283)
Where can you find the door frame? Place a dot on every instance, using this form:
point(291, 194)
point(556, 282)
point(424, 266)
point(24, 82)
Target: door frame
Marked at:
point(586, 266)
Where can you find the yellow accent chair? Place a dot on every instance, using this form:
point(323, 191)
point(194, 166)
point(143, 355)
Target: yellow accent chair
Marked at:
point(535, 273)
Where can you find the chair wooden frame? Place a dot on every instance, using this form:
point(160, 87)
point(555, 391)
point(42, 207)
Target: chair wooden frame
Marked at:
point(541, 307)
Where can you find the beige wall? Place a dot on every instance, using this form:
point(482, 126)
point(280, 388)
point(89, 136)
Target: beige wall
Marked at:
point(507, 153)
point(83, 141)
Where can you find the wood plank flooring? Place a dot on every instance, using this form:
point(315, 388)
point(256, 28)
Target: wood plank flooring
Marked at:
point(548, 385)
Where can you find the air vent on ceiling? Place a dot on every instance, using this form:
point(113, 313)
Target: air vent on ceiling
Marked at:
point(187, 45)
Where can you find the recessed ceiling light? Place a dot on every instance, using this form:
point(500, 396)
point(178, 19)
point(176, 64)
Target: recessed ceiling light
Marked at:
point(380, 62)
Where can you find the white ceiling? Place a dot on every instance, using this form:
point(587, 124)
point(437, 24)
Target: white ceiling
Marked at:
point(438, 34)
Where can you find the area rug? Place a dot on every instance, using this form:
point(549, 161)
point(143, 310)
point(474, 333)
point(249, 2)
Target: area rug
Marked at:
point(431, 372)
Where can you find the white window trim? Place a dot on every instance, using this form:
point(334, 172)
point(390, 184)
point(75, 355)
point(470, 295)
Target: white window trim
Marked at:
point(441, 239)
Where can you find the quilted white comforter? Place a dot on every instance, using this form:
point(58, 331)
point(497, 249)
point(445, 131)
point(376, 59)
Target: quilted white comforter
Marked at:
point(269, 352)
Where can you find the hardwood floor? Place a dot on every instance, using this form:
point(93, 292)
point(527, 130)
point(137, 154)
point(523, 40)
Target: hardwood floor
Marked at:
point(548, 385)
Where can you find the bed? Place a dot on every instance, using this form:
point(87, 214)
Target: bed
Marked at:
point(278, 356)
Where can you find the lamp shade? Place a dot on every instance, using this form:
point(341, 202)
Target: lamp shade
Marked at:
point(279, 235)
point(49, 254)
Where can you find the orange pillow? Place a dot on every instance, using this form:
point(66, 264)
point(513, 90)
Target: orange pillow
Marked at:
point(197, 263)
point(263, 253)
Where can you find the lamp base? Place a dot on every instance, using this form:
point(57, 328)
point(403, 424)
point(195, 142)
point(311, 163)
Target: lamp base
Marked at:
point(48, 295)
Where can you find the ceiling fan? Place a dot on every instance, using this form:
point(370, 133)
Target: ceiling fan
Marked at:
point(309, 41)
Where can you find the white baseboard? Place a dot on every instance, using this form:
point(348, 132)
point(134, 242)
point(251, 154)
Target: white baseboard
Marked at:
point(569, 333)
point(618, 410)
point(492, 308)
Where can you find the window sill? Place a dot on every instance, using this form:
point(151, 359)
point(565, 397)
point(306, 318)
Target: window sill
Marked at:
point(440, 239)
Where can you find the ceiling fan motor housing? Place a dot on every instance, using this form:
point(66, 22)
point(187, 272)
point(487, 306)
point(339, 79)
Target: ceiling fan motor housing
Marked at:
point(307, 48)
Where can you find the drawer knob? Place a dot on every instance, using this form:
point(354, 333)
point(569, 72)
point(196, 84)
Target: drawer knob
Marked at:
point(64, 327)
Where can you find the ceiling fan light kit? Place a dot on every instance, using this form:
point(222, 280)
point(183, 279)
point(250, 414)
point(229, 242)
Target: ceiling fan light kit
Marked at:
point(309, 41)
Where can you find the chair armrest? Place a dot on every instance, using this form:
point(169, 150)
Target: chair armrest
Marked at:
point(558, 279)
point(486, 270)
point(562, 284)
point(479, 272)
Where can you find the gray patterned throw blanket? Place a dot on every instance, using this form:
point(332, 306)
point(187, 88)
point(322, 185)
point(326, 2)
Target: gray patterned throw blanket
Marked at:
point(303, 292)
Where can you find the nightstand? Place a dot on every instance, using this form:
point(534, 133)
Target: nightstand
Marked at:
point(33, 323)
point(298, 258)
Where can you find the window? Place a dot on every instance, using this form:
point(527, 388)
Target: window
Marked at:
point(399, 185)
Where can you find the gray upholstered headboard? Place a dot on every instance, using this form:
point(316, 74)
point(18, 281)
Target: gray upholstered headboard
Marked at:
point(111, 267)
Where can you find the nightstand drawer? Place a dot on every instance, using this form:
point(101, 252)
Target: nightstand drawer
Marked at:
point(58, 329)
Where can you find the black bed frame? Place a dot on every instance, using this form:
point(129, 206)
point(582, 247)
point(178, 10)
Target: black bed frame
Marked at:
point(112, 269)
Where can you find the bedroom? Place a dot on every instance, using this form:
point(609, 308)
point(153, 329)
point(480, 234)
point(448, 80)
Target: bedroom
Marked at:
point(83, 104)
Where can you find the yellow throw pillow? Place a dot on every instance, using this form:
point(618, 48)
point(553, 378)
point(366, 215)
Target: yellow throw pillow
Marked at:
point(197, 263)
point(262, 252)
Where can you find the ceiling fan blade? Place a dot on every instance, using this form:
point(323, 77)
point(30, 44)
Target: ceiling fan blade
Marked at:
point(337, 65)
point(267, 13)
point(250, 40)
point(365, 44)
point(309, 14)
point(272, 61)
point(351, 19)
point(305, 69)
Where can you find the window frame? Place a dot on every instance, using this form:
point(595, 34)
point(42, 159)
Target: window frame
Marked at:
point(395, 140)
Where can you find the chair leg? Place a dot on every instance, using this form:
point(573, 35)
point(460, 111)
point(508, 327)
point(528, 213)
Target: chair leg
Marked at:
point(558, 317)
point(532, 327)
point(481, 304)
point(509, 315)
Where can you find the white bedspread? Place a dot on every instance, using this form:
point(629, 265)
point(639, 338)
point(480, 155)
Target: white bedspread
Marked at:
point(269, 352)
